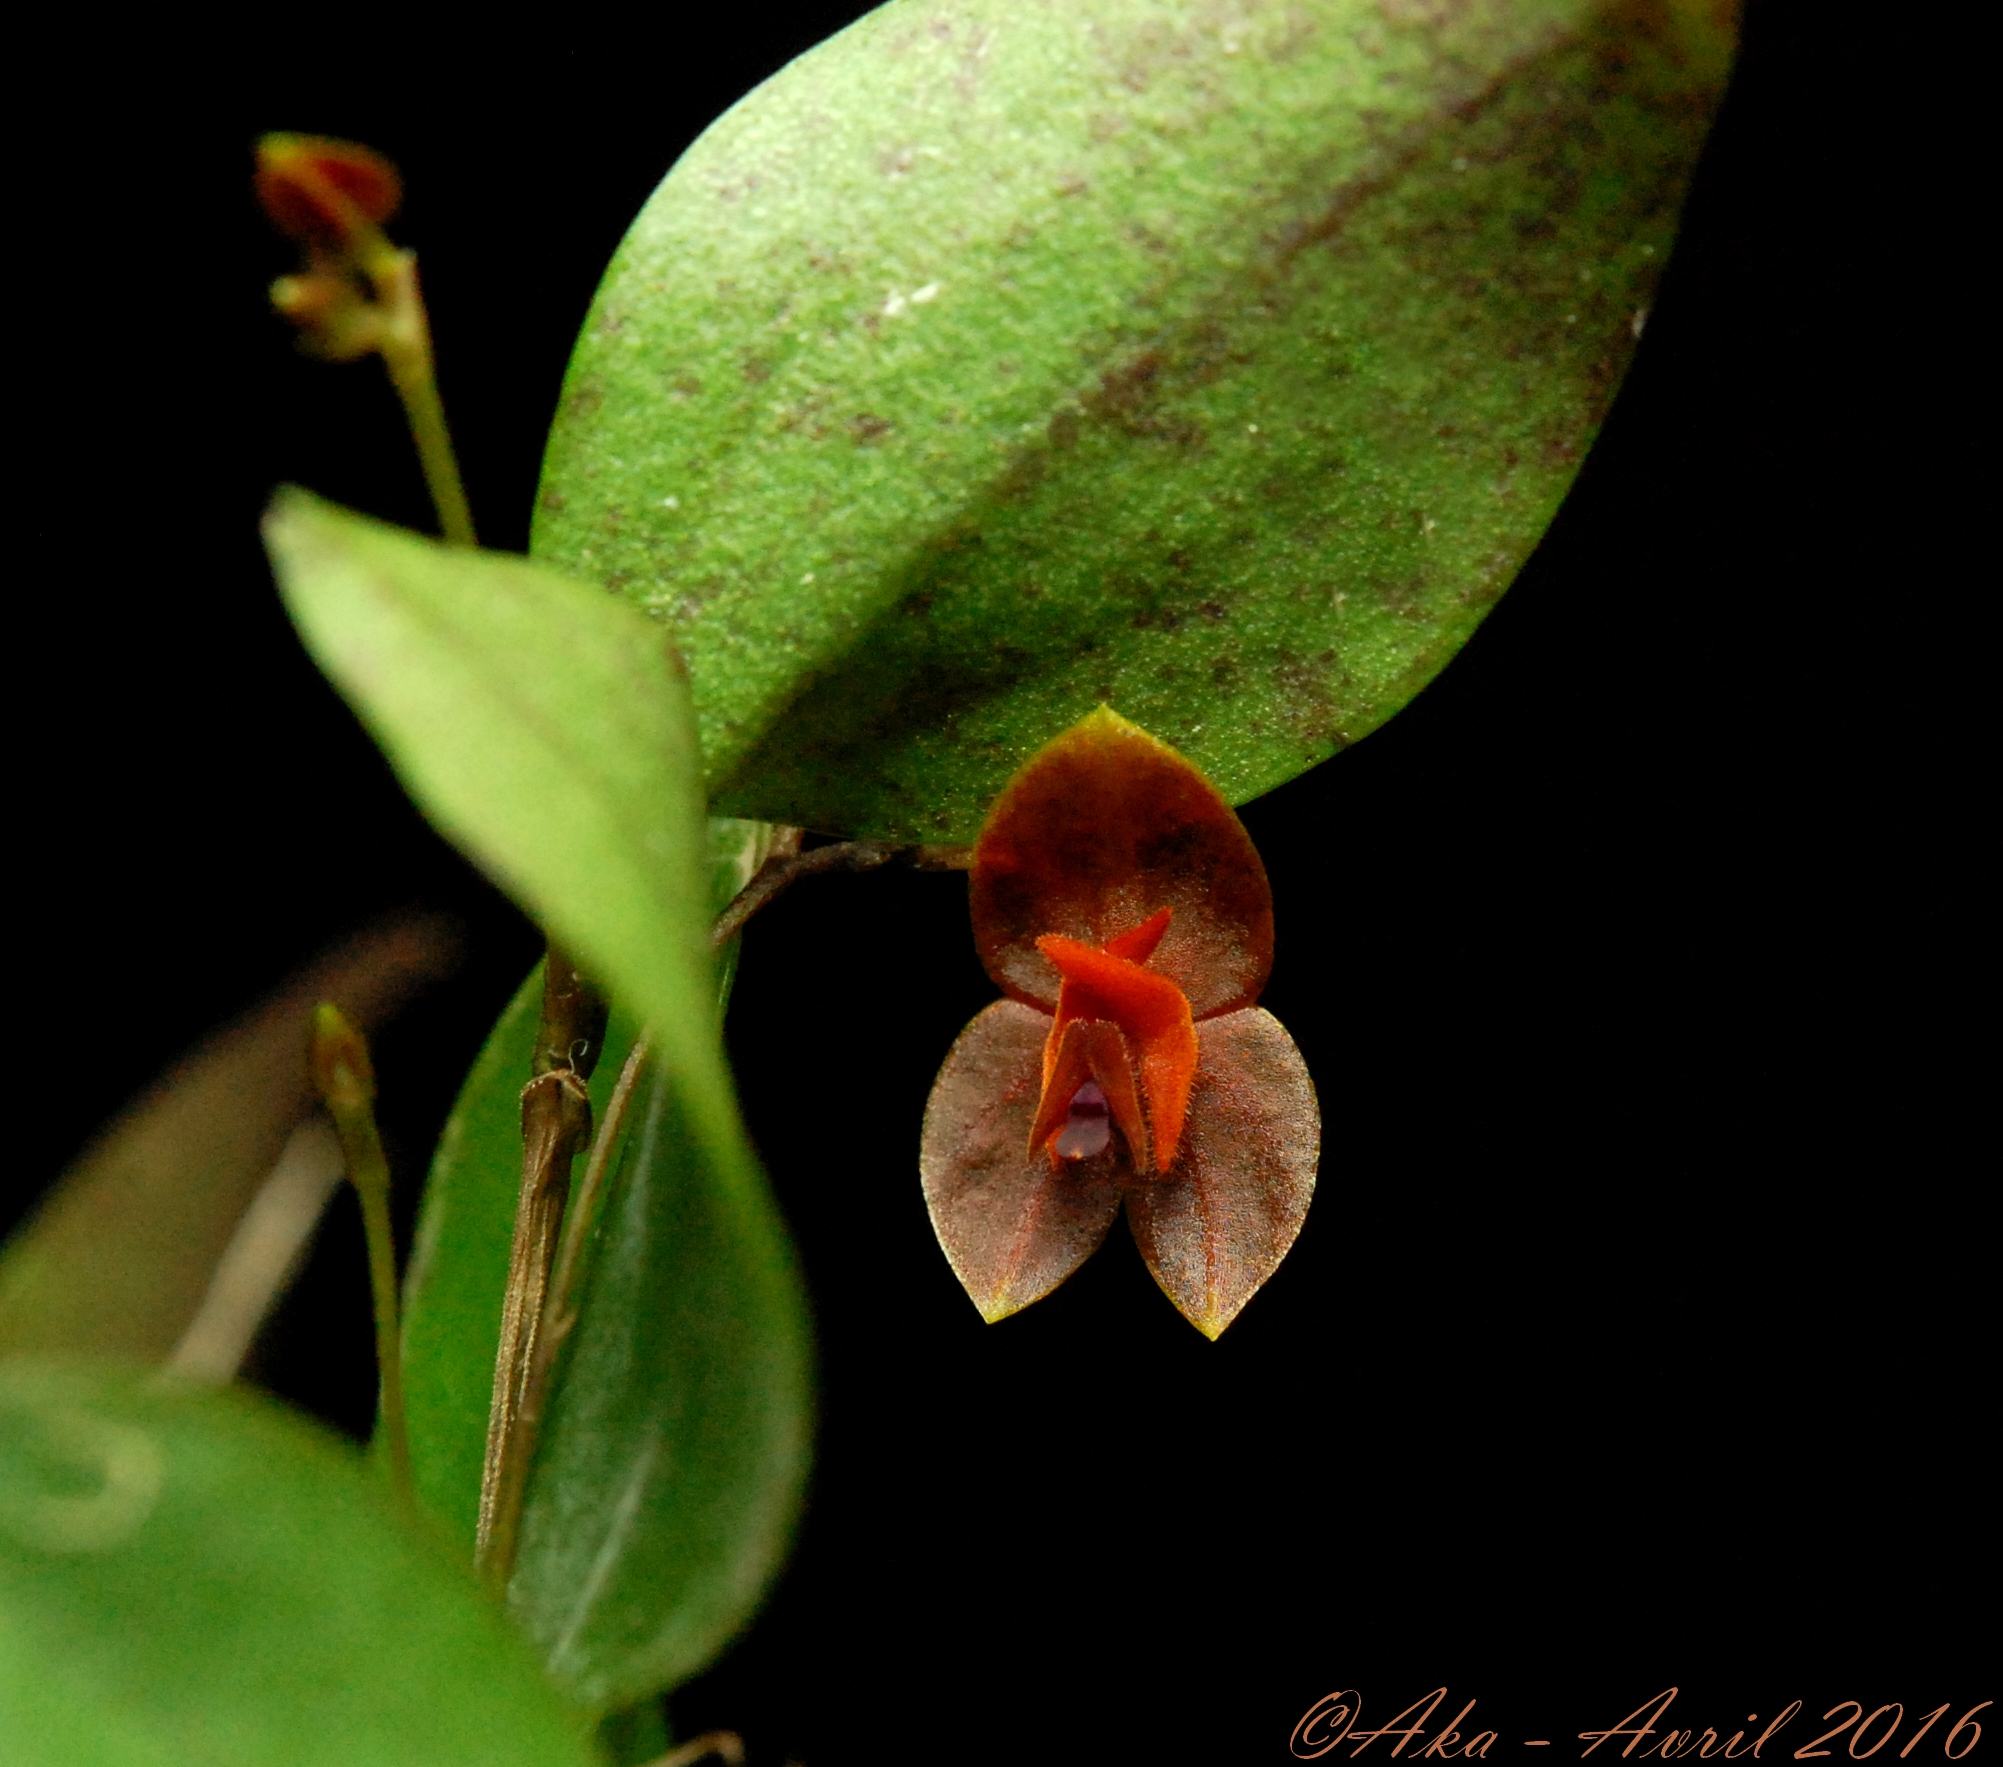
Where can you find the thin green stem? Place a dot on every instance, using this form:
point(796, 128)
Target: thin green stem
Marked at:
point(406, 352)
point(345, 1079)
point(389, 1342)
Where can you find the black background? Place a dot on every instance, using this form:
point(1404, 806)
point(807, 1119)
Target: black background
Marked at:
point(1630, 1339)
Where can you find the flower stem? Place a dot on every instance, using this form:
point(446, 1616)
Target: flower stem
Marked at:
point(346, 1082)
point(406, 352)
point(787, 867)
point(357, 294)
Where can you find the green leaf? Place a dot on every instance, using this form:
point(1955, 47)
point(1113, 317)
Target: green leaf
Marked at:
point(459, 1260)
point(995, 360)
point(459, 1267)
point(545, 727)
point(675, 1452)
point(732, 1387)
point(120, 1257)
point(205, 1579)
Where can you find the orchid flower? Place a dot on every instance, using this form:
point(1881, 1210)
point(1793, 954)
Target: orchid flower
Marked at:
point(1122, 907)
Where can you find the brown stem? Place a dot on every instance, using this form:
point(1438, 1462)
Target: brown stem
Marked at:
point(559, 1313)
point(559, 1307)
point(726, 1745)
point(556, 1121)
point(783, 870)
point(538, 1310)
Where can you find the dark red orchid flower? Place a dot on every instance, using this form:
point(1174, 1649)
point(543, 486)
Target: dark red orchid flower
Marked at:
point(1123, 909)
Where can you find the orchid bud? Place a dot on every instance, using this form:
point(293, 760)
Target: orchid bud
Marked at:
point(330, 196)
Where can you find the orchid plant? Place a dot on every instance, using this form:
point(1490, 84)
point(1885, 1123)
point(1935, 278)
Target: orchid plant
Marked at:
point(993, 376)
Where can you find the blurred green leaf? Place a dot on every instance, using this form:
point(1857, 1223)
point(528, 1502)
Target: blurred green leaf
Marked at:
point(545, 727)
point(732, 1392)
point(998, 359)
point(121, 1256)
point(205, 1579)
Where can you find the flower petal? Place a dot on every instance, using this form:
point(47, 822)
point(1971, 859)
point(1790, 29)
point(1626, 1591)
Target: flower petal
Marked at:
point(1218, 1225)
point(1103, 828)
point(1153, 1017)
point(1092, 1049)
point(1012, 1224)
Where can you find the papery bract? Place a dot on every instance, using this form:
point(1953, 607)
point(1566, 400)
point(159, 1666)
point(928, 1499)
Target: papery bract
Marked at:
point(1120, 903)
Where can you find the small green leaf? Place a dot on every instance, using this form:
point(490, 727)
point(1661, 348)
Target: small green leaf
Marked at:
point(203, 1578)
point(732, 1390)
point(995, 360)
point(546, 728)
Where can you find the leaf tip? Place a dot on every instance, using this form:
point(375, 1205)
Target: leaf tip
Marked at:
point(291, 511)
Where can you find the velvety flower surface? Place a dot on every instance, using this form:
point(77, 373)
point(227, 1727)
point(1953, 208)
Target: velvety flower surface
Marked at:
point(1120, 904)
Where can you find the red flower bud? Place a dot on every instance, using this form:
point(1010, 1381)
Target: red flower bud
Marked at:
point(331, 196)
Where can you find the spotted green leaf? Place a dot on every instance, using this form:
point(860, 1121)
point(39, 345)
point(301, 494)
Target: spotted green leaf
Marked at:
point(1220, 362)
